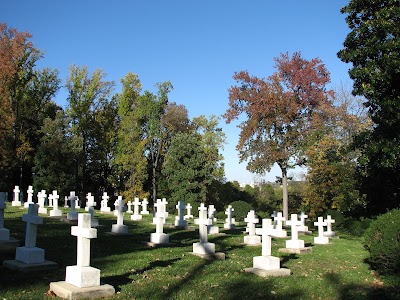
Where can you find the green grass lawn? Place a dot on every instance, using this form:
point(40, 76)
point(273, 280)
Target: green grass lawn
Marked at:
point(334, 271)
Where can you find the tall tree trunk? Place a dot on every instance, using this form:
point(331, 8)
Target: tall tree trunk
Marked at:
point(285, 192)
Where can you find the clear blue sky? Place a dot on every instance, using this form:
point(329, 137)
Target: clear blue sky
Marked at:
point(197, 45)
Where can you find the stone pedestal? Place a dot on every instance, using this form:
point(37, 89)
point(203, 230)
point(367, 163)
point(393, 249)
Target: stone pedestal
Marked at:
point(329, 234)
point(181, 223)
point(68, 291)
point(42, 210)
point(204, 248)
point(159, 238)
point(72, 216)
point(252, 240)
point(212, 229)
point(321, 240)
point(32, 255)
point(229, 226)
point(55, 213)
point(119, 229)
point(294, 244)
point(16, 203)
point(4, 234)
point(105, 209)
point(136, 217)
point(82, 276)
point(266, 262)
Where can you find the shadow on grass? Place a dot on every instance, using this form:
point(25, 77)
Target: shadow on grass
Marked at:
point(362, 291)
point(119, 280)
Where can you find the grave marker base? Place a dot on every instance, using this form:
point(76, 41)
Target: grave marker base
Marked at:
point(295, 250)
point(28, 268)
point(16, 203)
point(203, 248)
point(82, 276)
point(329, 234)
point(213, 256)
point(252, 240)
point(321, 240)
point(33, 255)
point(212, 229)
point(68, 291)
point(55, 213)
point(229, 226)
point(269, 273)
point(266, 263)
point(282, 234)
point(42, 210)
point(159, 238)
point(119, 229)
point(158, 245)
point(136, 217)
point(305, 232)
point(9, 245)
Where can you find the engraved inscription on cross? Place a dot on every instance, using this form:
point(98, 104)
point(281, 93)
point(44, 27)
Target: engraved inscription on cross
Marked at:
point(84, 233)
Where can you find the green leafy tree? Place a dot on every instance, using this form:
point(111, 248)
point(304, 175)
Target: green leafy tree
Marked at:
point(187, 169)
point(372, 47)
point(278, 112)
point(130, 149)
point(89, 96)
point(55, 158)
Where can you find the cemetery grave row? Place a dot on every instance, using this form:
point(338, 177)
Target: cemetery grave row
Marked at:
point(82, 280)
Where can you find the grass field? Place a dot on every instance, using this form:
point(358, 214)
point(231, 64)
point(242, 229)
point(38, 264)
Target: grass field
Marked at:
point(334, 271)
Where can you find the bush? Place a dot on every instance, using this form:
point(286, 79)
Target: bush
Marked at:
point(241, 208)
point(382, 240)
point(221, 215)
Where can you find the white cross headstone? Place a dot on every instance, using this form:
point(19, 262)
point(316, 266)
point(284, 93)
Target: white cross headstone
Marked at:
point(129, 204)
point(81, 274)
point(266, 262)
point(50, 197)
point(159, 208)
point(94, 221)
point(136, 215)
point(41, 198)
point(66, 201)
point(229, 221)
point(294, 242)
point(329, 221)
point(144, 207)
point(55, 212)
point(211, 212)
point(44, 195)
point(180, 219)
point(303, 227)
point(119, 228)
point(164, 207)
point(159, 237)
point(266, 232)
point(30, 254)
point(30, 197)
point(251, 220)
point(77, 202)
point(321, 239)
point(16, 201)
point(104, 203)
point(90, 201)
point(73, 214)
point(189, 212)
point(212, 229)
point(279, 219)
point(203, 247)
point(4, 232)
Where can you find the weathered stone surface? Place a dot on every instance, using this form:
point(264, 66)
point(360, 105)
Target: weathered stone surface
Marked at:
point(295, 250)
point(68, 291)
point(269, 273)
point(28, 268)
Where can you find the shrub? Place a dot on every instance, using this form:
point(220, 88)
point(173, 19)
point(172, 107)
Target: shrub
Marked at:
point(336, 215)
point(382, 240)
point(221, 215)
point(241, 209)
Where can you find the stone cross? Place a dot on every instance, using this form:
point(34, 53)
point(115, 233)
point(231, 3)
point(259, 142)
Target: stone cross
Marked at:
point(189, 211)
point(144, 207)
point(160, 208)
point(32, 221)
point(84, 233)
point(293, 223)
point(159, 221)
point(228, 213)
point(55, 198)
point(119, 211)
point(136, 205)
point(44, 197)
point(181, 209)
point(279, 219)
point(203, 223)
point(104, 201)
point(50, 197)
point(211, 211)
point(72, 199)
point(266, 231)
point(16, 201)
point(251, 221)
point(129, 204)
point(66, 201)
point(320, 224)
point(30, 197)
point(164, 207)
point(329, 221)
point(90, 201)
point(77, 202)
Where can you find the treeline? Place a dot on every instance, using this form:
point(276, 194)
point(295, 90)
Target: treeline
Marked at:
point(131, 143)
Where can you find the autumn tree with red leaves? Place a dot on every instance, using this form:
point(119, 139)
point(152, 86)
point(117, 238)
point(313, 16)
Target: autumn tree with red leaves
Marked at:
point(279, 111)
